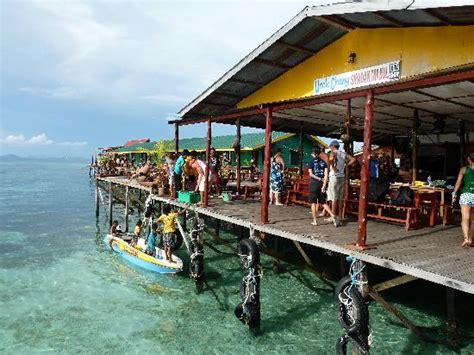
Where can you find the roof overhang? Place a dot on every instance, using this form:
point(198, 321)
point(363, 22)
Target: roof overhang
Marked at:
point(310, 31)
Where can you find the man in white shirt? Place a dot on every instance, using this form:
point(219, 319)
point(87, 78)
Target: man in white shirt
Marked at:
point(338, 160)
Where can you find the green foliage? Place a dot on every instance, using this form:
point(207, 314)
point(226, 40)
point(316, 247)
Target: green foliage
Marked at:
point(157, 155)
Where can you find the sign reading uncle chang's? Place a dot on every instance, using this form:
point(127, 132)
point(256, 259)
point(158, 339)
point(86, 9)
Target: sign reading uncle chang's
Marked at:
point(377, 74)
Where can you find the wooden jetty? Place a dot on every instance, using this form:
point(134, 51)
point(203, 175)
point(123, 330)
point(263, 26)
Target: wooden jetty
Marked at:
point(432, 254)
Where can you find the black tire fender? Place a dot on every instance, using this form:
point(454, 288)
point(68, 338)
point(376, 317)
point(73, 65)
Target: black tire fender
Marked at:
point(341, 345)
point(249, 252)
point(342, 284)
point(360, 313)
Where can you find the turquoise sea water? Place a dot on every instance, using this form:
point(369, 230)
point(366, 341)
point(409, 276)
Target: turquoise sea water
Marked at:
point(61, 290)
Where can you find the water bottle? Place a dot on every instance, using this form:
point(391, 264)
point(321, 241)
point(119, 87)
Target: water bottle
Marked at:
point(430, 182)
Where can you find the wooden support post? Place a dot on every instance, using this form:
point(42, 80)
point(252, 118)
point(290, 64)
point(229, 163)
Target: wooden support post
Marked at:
point(238, 156)
point(462, 141)
point(348, 149)
point(111, 198)
point(301, 150)
point(218, 227)
point(126, 208)
point(451, 320)
point(208, 163)
point(364, 171)
point(266, 167)
point(363, 288)
point(414, 145)
point(97, 198)
point(342, 266)
point(303, 253)
point(176, 138)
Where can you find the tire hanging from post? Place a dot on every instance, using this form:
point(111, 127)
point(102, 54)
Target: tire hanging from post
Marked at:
point(196, 265)
point(248, 311)
point(353, 313)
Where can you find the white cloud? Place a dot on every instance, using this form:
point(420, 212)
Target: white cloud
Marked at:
point(61, 93)
point(41, 139)
point(165, 98)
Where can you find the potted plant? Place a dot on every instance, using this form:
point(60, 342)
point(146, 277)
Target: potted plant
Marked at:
point(157, 156)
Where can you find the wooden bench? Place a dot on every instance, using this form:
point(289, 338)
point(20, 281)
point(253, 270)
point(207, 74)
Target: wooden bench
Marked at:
point(299, 194)
point(411, 213)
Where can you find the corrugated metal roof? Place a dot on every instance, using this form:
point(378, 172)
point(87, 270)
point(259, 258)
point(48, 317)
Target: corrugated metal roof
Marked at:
point(248, 141)
point(310, 31)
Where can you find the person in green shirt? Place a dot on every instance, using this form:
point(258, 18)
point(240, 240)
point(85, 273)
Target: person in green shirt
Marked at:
point(466, 200)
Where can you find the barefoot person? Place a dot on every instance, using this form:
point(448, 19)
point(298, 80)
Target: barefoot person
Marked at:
point(466, 200)
point(201, 168)
point(318, 173)
point(168, 218)
point(338, 160)
point(276, 178)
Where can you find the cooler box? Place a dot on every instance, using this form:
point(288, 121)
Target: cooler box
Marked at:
point(188, 196)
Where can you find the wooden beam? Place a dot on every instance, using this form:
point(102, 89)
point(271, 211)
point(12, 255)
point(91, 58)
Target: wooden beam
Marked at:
point(389, 19)
point(246, 82)
point(226, 94)
point(295, 47)
point(437, 16)
point(397, 281)
point(303, 253)
point(336, 21)
point(443, 99)
point(364, 171)
point(206, 102)
point(266, 167)
point(272, 63)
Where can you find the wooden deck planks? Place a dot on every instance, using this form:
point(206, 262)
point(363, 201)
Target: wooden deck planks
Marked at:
point(433, 253)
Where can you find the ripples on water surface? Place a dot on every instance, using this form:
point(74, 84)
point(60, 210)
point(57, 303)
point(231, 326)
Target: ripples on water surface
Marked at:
point(61, 290)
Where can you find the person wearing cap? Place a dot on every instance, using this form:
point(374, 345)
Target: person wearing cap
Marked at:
point(466, 200)
point(318, 173)
point(337, 161)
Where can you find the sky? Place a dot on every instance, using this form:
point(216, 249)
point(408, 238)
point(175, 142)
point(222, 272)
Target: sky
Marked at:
point(77, 75)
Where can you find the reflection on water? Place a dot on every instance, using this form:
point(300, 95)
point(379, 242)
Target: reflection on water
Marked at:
point(62, 289)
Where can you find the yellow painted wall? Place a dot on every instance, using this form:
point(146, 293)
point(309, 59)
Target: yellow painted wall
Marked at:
point(420, 49)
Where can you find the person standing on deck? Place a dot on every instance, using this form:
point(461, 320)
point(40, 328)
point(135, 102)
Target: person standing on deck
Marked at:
point(318, 173)
point(466, 200)
point(214, 179)
point(338, 160)
point(276, 178)
point(202, 169)
point(170, 163)
point(178, 172)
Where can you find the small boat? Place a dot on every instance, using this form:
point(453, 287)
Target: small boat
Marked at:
point(135, 255)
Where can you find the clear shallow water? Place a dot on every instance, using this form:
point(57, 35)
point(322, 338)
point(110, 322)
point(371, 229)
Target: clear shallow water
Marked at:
point(61, 290)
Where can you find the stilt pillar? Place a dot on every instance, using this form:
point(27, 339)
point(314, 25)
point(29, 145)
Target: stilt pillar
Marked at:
point(364, 171)
point(414, 146)
point(97, 199)
point(176, 138)
point(111, 202)
point(126, 208)
point(451, 319)
point(208, 163)
point(266, 167)
point(238, 156)
point(301, 150)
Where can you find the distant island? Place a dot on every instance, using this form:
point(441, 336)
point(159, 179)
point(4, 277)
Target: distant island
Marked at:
point(13, 157)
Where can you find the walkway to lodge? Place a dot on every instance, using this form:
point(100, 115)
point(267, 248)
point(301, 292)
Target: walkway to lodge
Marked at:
point(434, 254)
